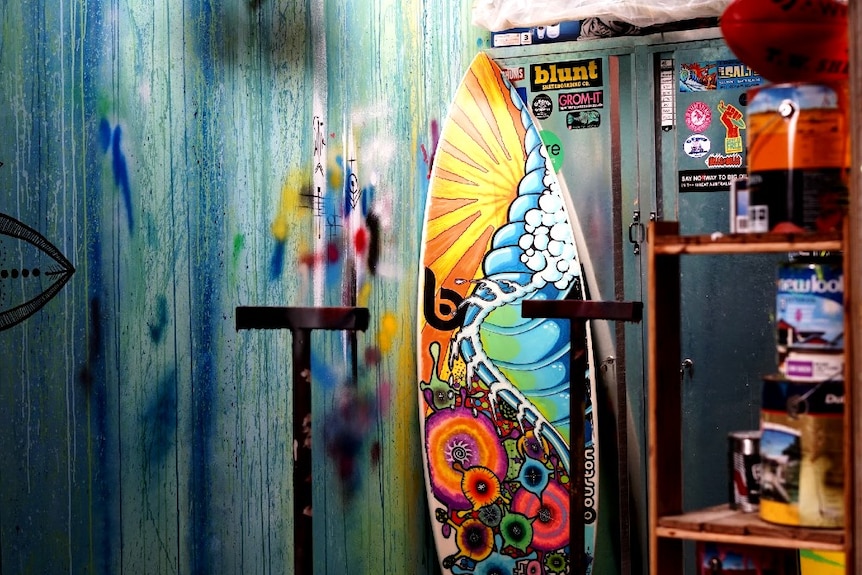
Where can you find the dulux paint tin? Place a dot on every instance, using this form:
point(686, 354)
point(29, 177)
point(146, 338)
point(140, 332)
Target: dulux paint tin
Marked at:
point(802, 453)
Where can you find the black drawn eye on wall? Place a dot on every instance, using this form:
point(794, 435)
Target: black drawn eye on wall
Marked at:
point(32, 271)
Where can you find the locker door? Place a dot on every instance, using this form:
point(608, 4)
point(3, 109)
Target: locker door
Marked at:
point(728, 334)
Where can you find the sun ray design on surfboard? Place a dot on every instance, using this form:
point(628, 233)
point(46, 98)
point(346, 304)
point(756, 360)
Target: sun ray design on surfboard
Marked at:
point(495, 386)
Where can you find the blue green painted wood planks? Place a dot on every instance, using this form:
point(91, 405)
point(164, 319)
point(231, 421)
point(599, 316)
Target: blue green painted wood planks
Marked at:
point(169, 149)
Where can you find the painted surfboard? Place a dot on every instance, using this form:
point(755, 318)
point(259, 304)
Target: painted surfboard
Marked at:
point(493, 386)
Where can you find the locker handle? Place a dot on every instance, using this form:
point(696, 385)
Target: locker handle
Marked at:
point(636, 232)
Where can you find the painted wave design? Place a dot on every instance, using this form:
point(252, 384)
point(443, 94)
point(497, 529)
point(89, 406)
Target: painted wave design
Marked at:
point(533, 256)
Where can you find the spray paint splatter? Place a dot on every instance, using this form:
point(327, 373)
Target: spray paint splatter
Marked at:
point(121, 174)
point(276, 262)
point(292, 190)
point(238, 246)
point(388, 331)
point(373, 224)
point(349, 430)
point(159, 325)
point(160, 420)
point(104, 135)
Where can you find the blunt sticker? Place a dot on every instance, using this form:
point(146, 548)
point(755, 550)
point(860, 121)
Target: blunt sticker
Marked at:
point(562, 75)
point(698, 117)
point(696, 146)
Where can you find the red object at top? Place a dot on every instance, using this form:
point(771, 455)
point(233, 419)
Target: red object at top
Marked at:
point(789, 40)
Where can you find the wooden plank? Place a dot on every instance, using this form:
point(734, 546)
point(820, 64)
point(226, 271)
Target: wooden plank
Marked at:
point(721, 520)
point(853, 311)
point(698, 520)
point(833, 536)
point(732, 524)
point(140, 433)
point(748, 243)
point(670, 534)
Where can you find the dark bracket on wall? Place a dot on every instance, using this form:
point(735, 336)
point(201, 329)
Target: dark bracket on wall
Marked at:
point(301, 321)
point(579, 312)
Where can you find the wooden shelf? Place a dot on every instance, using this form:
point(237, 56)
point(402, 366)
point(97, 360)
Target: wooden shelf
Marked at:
point(669, 522)
point(667, 244)
point(724, 525)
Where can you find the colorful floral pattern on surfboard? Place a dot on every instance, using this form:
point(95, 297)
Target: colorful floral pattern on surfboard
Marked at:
point(494, 386)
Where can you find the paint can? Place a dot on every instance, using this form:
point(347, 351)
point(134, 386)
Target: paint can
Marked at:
point(813, 366)
point(802, 453)
point(798, 157)
point(817, 562)
point(743, 456)
point(809, 305)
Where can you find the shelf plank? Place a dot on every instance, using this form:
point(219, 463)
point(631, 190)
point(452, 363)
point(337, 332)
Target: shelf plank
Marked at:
point(697, 520)
point(733, 524)
point(746, 243)
point(724, 525)
point(754, 540)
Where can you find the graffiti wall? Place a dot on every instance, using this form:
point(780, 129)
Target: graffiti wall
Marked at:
point(161, 163)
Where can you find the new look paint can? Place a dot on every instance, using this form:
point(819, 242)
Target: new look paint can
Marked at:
point(809, 306)
point(743, 454)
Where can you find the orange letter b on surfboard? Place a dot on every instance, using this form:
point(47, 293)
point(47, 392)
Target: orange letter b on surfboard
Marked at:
point(443, 314)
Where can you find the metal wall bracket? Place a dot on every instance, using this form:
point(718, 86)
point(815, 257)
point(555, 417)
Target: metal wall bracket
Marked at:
point(579, 312)
point(301, 321)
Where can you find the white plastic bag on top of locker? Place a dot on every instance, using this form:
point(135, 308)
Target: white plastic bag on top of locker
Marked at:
point(497, 15)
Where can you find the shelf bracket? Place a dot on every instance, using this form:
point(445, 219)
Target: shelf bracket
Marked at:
point(579, 312)
point(301, 321)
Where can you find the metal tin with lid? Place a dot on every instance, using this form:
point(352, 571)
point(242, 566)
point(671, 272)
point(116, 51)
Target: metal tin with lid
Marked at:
point(744, 470)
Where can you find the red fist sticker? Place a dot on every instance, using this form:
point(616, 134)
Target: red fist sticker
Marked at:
point(733, 121)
